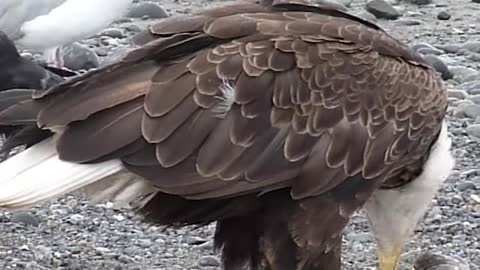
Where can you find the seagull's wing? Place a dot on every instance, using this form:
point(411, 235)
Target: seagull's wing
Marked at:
point(6, 5)
point(14, 13)
point(79, 19)
point(10, 20)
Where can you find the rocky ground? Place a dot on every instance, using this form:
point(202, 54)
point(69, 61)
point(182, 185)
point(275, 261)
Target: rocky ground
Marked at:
point(70, 234)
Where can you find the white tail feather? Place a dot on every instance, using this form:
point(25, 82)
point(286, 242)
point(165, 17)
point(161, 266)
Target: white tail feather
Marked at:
point(37, 174)
point(124, 189)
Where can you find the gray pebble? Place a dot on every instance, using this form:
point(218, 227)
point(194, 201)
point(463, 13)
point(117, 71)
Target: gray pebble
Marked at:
point(194, 240)
point(24, 218)
point(367, 16)
point(207, 246)
point(131, 250)
point(466, 186)
point(460, 94)
point(472, 87)
point(160, 241)
point(473, 57)
point(450, 48)
point(76, 219)
point(346, 3)
point(331, 3)
point(434, 51)
point(461, 72)
point(420, 2)
point(473, 78)
point(101, 51)
point(475, 98)
point(425, 48)
point(473, 46)
point(125, 259)
point(414, 14)
point(113, 33)
point(102, 250)
point(472, 111)
point(150, 10)
point(474, 130)
point(108, 41)
point(133, 28)
point(80, 57)
point(42, 253)
point(382, 10)
point(439, 66)
point(71, 203)
point(359, 237)
point(459, 108)
point(209, 261)
point(408, 22)
point(443, 15)
point(76, 250)
point(421, 45)
point(144, 243)
point(458, 131)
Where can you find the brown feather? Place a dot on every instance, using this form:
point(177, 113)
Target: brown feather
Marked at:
point(187, 138)
point(144, 157)
point(88, 140)
point(250, 88)
point(157, 129)
point(162, 98)
point(272, 163)
point(113, 89)
point(218, 151)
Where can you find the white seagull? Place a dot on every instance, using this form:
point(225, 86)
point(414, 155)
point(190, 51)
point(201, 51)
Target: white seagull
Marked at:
point(47, 25)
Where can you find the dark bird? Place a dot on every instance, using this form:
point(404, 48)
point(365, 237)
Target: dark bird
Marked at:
point(275, 119)
point(19, 72)
point(18, 76)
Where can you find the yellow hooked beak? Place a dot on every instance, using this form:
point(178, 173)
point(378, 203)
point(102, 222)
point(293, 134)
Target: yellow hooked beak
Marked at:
point(388, 257)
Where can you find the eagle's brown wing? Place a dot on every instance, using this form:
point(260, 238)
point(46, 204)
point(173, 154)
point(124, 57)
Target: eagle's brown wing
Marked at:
point(253, 98)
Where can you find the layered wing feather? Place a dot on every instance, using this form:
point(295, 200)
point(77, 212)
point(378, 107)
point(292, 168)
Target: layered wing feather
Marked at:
point(252, 97)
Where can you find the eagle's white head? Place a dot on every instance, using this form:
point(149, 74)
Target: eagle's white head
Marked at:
point(394, 213)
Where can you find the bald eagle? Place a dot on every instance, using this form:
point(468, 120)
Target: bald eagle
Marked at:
point(275, 119)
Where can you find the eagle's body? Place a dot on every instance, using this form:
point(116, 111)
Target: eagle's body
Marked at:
point(276, 120)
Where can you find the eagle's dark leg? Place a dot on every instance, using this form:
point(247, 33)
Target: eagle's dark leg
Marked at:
point(280, 233)
point(329, 260)
point(238, 239)
point(283, 257)
point(278, 250)
point(264, 242)
point(282, 246)
point(306, 234)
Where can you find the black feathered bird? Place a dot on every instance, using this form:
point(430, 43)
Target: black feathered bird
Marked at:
point(275, 118)
point(19, 72)
point(19, 78)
